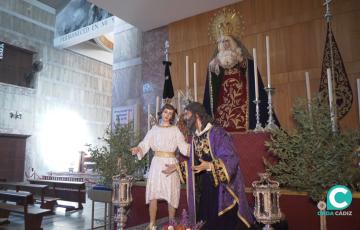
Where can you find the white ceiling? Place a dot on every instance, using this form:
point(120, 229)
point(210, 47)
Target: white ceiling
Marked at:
point(56, 4)
point(151, 14)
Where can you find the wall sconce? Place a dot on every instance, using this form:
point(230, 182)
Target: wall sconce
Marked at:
point(16, 115)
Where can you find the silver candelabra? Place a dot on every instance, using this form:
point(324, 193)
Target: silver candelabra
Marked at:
point(122, 198)
point(270, 123)
point(258, 127)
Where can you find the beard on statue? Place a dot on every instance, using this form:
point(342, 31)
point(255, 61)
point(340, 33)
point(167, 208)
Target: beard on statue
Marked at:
point(227, 58)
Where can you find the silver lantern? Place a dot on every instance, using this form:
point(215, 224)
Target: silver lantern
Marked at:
point(267, 193)
point(122, 198)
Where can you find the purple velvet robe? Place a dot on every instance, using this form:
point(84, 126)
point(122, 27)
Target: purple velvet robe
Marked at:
point(231, 193)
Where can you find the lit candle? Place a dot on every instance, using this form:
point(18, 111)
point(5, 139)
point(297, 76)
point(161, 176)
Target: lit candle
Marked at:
point(330, 88)
point(268, 61)
point(195, 82)
point(331, 99)
point(157, 107)
point(308, 94)
point(256, 76)
point(149, 112)
point(179, 103)
point(358, 89)
point(187, 76)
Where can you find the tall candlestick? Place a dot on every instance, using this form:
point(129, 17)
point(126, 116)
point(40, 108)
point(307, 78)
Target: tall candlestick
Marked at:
point(331, 101)
point(195, 83)
point(308, 94)
point(358, 89)
point(256, 76)
point(268, 61)
point(187, 76)
point(157, 107)
point(167, 45)
point(179, 103)
point(330, 87)
point(148, 117)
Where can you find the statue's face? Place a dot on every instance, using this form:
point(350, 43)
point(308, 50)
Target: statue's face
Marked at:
point(167, 115)
point(228, 55)
point(226, 43)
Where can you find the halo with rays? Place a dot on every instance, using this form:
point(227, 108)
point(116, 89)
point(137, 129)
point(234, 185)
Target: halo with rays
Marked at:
point(226, 22)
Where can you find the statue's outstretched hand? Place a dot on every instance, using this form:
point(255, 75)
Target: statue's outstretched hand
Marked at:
point(170, 168)
point(135, 150)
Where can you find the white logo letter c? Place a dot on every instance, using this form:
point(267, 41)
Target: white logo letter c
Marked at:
point(332, 198)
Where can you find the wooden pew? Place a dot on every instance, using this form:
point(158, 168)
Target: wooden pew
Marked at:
point(32, 215)
point(39, 191)
point(22, 186)
point(65, 190)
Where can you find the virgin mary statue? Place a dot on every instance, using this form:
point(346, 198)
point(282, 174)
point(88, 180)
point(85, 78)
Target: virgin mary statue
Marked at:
point(230, 85)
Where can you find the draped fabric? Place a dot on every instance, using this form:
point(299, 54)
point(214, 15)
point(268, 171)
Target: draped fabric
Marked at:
point(232, 102)
point(229, 97)
point(343, 94)
point(168, 91)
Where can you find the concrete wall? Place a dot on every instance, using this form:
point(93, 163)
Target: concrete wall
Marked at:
point(153, 71)
point(127, 70)
point(138, 70)
point(70, 104)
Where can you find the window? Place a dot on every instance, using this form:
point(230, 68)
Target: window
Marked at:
point(16, 65)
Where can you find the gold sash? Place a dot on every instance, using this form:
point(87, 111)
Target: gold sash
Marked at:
point(164, 154)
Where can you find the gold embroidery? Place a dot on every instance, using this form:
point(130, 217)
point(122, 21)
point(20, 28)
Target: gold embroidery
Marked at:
point(185, 166)
point(202, 146)
point(221, 171)
point(213, 172)
point(232, 113)
point(181, 168)
point(231, 71)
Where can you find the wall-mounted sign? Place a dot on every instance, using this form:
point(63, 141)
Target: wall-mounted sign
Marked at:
point(125, 115)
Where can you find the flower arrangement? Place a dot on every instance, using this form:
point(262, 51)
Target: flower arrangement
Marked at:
point(184, 223)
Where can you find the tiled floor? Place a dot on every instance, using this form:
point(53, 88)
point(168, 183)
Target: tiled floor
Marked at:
point(62, 220)
point(70, 220)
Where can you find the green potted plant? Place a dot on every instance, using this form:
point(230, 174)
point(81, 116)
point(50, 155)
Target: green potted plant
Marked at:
point(117, 144)
point(312, 158)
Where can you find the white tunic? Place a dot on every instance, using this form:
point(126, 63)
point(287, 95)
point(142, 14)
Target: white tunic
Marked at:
point(159, 185)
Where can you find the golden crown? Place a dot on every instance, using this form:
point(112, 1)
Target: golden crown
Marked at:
point(226, 22)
